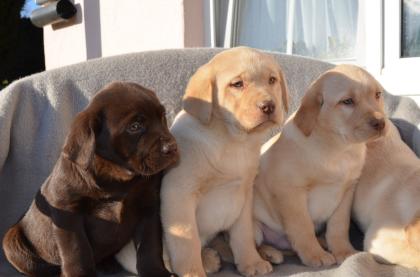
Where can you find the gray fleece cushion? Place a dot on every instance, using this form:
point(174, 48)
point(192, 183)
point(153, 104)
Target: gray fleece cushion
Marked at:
point(36, 112)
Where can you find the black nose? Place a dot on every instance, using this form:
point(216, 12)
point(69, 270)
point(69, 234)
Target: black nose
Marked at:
point(377, 124)
point(168, 147)
point(267, 107)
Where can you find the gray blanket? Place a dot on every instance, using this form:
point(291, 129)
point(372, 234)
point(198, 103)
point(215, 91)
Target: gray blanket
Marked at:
point(35, 114)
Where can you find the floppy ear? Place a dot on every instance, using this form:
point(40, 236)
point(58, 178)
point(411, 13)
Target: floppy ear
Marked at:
point(284, 91)
point(307, 114)
point(81, 141)
point(198, 96)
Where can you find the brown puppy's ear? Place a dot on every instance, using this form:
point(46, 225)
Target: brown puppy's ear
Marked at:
point(307, 114)
point(284, 91)
point(198, 97)
point(81, 141)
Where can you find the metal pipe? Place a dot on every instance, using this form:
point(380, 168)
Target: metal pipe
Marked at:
point(55, 12)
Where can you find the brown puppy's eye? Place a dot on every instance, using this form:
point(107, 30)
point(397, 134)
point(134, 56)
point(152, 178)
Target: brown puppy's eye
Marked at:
point(272, 80)
point(378, 94)
point(237, 84)
point(348, 101)
point(135, 127)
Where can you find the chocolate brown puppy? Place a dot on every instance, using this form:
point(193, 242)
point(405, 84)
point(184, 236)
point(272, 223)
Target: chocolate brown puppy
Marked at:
point(103, 190)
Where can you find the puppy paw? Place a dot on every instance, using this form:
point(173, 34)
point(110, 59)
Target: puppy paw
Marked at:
point(318, 258)
point(270, 254)
point(259, 267)
point(211, 260)
point(342, 254)
point(194, 273)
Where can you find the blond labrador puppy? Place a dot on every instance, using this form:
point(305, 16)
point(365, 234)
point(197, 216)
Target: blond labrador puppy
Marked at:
point(230, 104)
point(386, 203)
point(307, 173)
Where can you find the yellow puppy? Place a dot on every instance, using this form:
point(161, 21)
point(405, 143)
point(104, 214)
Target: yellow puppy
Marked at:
point(387, 201)
point(230, 104)
point(307, 173)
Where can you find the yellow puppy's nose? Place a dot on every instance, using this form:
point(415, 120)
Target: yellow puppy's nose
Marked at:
point(267, 107)
point(377, 123)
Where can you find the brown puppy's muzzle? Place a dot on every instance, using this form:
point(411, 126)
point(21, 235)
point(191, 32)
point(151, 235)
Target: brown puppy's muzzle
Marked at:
point(168, 147)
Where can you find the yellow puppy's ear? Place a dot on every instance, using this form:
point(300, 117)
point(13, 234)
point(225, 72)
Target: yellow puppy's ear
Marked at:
point(198, 97)
point(284, 91)
point(307, 114)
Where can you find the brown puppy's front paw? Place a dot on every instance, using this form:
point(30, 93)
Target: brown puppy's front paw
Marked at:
point(258, 267)
point(211, 260)
point(270, 254)
point(66, 274)
point(318, 258)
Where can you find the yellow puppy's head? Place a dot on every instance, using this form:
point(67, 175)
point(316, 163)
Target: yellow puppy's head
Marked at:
point(241, 86)
point(346, 101)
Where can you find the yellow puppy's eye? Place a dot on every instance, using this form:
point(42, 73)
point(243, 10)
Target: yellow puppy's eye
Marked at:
point(272, 80)
point(348, 101)
point(237, 84)
point(378, 94)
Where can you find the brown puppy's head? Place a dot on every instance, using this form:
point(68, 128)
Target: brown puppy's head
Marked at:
point(122, 133)
point(241, 86)
point(346, 101)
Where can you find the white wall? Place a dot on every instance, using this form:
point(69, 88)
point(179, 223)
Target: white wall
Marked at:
point(112, 27)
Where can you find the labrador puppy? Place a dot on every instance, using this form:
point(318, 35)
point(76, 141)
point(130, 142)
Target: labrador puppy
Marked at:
point(386, 202)
point(103, 190)
point(230, 104)
point(308, 172)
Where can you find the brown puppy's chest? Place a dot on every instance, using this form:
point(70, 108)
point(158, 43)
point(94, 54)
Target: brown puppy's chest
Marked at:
point(111, 222)
point(109, 226)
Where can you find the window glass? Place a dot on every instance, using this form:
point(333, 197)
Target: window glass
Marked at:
point(324, 29)
point(410, 28)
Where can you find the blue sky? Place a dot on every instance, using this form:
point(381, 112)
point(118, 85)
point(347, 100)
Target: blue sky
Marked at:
point(28, 8)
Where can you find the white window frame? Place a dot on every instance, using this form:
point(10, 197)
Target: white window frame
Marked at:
point(400, 75)
point(379, 48)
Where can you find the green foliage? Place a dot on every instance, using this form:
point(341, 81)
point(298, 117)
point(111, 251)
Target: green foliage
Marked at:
point(4, 84)
point(9, 24)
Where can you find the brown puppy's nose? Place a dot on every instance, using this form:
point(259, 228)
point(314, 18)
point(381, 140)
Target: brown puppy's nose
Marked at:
point(377, 124)
point(168, 147)
point(267, 107)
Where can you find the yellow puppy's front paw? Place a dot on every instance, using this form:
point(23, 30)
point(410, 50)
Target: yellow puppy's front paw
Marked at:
point(318, 258)
point(211, 260)
point(194, 273)
point(270, 254)
point(342, 253)
point(258, 267)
